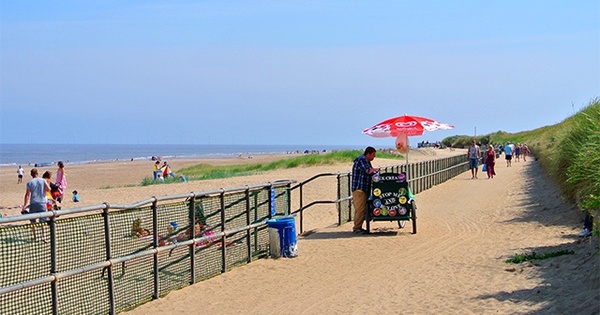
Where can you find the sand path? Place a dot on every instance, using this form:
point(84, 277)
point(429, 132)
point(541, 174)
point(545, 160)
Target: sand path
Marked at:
point(454, 265)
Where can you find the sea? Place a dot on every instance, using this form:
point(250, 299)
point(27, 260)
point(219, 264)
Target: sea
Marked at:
point(49, 154)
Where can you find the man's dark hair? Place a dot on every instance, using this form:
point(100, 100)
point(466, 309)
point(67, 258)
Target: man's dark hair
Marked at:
point(370, 150)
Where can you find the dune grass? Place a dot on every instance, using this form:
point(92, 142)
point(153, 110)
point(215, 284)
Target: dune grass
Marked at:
point(206, 171)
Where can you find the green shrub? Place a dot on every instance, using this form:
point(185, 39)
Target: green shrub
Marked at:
point(519, 258)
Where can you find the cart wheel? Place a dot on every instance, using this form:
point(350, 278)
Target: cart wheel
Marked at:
point(368, 220)
point(401, 224)
point(413, 217)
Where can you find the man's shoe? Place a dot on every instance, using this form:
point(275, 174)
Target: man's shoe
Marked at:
point(585, 233)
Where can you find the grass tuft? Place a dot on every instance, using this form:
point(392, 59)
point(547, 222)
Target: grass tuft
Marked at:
point(519, 258)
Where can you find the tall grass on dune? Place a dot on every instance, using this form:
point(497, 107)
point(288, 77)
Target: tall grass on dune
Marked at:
point(580, 155)
point(206, 171)
point(570, 154)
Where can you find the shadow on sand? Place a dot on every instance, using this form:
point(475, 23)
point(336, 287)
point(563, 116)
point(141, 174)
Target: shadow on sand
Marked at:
point(574, 277)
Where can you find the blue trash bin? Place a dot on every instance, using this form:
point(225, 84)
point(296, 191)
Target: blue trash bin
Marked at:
point(282, 237)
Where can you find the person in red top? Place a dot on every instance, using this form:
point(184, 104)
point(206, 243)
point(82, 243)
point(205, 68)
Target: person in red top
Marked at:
point(490, 161)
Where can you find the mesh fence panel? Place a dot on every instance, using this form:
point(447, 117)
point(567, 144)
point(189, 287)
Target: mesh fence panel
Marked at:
point(24, 257)
point(84, 293)
point(79, 242)
point(207, 262)
point(34, 300)
point(82, 242)
point(174, 269)
point(133, 283)
point(345, 206)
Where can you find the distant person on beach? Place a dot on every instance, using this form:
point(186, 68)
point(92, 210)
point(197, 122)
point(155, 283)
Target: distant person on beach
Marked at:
point(508, 152)
point(361, 187)
point(53, 193)
point(517, 153)
point(157, 169)
point(166, 168)
point(473, 154)
point(61, 180)
point(20, 172)
point(490, 161)
point(75, 196)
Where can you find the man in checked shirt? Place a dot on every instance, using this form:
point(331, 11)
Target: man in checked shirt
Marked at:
point(361, 187)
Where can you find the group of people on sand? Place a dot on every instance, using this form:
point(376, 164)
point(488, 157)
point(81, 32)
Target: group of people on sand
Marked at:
point(515, 151)
point(489, 157)
point(41, 194)
point(163, 171)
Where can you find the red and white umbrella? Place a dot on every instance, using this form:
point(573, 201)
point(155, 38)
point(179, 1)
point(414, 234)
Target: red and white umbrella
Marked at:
point(407, 124)
point(404, 126)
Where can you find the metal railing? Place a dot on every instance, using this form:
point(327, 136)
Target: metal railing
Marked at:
point(125, 255)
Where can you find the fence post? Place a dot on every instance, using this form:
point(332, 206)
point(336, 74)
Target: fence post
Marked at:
point(155, 294)
point(339, 196)
point(192, 219)
point(288, 195)
point(349, 195)
point(248, 232)
point(53, 263)
point(111, 293)
point(223, 251)
point(301, 197)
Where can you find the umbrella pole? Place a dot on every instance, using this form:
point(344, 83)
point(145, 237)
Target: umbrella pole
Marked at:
point(407, 162)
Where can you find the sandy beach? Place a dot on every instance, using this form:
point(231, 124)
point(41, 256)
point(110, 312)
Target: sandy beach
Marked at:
point(455, 264)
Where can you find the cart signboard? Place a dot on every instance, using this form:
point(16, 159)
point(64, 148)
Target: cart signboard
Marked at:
point(391, 198)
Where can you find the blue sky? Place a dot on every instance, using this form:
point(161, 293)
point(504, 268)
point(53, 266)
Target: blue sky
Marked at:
point(289, 72)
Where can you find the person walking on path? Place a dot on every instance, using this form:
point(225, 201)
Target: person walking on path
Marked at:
point(473, 155)
point(508, 152)
point(361, 186)
point(524, 152)
point(490, 161)
point(20, 172)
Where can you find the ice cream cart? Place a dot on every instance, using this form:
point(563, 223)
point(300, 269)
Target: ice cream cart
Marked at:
point(391, 200)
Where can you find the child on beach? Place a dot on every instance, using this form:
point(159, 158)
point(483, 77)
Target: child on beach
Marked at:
point(75, 196)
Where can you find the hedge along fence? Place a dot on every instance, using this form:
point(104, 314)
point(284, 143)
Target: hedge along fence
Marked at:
point(110, 258)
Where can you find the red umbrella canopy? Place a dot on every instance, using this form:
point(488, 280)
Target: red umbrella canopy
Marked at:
point(407, 124)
